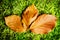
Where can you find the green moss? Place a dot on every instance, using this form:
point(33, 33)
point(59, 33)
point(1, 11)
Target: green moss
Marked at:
point(9, 7)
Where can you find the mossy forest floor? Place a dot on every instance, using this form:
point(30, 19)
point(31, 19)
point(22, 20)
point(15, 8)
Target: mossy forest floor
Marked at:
point(10, 7)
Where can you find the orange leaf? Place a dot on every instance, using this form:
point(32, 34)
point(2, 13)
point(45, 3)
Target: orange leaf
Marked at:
point(14, 23)
point(29, 15)
point(43, 24)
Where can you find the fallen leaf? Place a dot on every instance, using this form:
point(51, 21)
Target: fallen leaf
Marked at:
point(29, 15)
point(43, 24)
point(14, 23)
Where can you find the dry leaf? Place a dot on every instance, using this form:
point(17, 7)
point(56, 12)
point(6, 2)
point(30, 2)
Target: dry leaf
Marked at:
point(14, 23)
point(29, 15)
point(43, 24)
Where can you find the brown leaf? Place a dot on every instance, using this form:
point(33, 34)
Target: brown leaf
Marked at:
point(43, 24)
point(29, 15)
point(14, 23)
